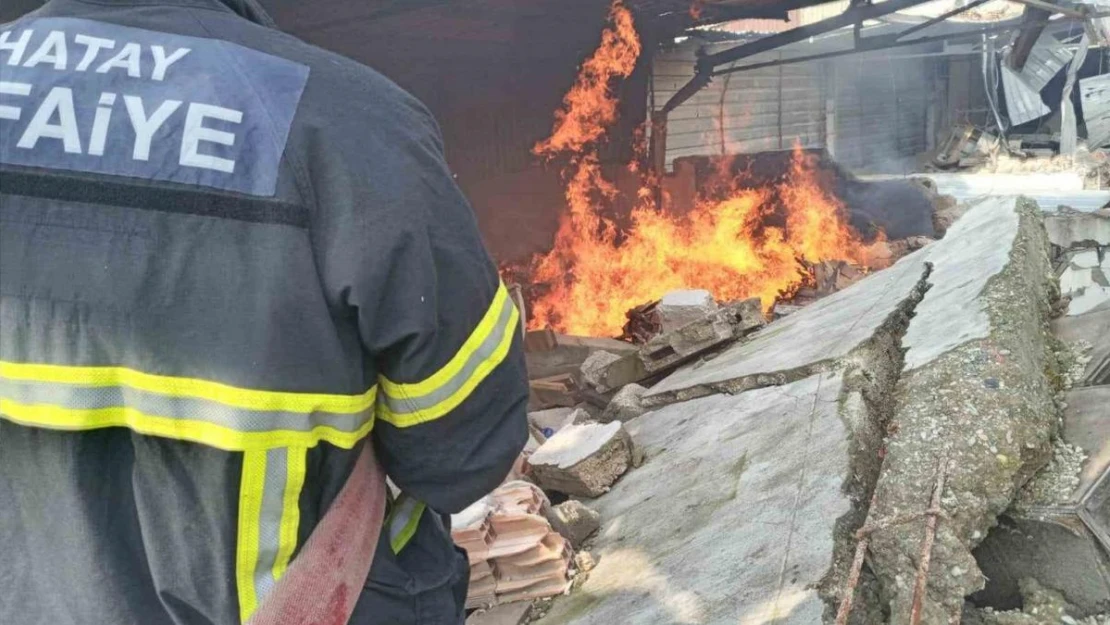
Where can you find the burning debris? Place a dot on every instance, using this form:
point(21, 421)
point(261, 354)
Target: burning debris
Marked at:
point(738, 241)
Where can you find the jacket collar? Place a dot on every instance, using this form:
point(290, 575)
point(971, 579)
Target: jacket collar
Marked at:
point(248, 9)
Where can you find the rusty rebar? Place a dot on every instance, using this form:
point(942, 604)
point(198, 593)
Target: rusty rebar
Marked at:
point(853, 580)
point(857, 566)
point(922, 582)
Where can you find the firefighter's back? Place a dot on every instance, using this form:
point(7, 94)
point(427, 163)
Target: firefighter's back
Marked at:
point(181, 380)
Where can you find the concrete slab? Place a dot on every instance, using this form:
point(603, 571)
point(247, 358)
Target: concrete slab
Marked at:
point(820, 336)
point(1067, 229)
point(806, 342)
point(975, 250)
point(1094, 298)
point(973, 395)
point(733, 519)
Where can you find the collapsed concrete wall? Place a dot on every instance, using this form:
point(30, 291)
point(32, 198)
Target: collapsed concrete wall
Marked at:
point(975, 398)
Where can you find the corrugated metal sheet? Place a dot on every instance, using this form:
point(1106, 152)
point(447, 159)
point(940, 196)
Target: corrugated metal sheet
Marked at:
point(1023, 103)
point(881, 110)
point(1046, 60)
point(1094, 94)
point(756, 111)
point(880, 105)
point(813, 14)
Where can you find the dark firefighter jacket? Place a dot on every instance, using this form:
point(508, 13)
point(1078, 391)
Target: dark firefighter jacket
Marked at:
point(228, 259)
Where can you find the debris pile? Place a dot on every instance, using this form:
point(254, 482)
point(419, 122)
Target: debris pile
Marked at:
point(514, 553)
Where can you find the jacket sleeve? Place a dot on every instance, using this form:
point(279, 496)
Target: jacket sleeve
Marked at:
point(399, 248)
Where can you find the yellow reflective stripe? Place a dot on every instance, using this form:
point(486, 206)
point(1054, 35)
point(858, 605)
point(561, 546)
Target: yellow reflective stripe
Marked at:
point(296, 467)
point(251, 489)
point(59, 418)
point(249, 399)
point(403, 420)
point(452, 368)
point(400, 539)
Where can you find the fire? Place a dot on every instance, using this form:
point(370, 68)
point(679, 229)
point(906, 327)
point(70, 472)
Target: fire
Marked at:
point(738, 242)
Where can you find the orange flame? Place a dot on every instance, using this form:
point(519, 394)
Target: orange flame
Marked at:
point(742, 242)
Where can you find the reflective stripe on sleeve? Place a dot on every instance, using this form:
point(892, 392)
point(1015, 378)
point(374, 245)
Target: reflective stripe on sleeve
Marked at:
point(403, 521)
point(405, 405)
point(269, 512)
point(199, 411)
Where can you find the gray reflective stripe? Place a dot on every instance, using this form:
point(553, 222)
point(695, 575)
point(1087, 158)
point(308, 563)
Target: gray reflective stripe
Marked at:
point(402, 405)
point(269, 521)
point(186, 408)
point(401, 515)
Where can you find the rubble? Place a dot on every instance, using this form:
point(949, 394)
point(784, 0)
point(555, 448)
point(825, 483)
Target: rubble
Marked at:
point(680, 308)
point(556, 391)
point(1058, 483)
point(514, 553)
point(574, 521)
point(667, 351)
point(595, 367)
point(1042, 606)
point(583, 460)
point(569, 353)
point(626, 405)
point(511, 614)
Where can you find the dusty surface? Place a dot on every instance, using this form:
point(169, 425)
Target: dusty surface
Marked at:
point(982, 404)
point(720, 526)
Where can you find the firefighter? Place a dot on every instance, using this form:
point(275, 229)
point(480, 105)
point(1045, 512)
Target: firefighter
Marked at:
point(228, 261)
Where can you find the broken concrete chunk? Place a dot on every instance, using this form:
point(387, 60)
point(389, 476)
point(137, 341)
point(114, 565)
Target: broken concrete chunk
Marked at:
point(746, 315)
point(626, 404)
point(583, 460)
point(575, 521)
point(594, 369)
point(679, 308)
point(666, 350)
point(569, 353)
point(1068, 228)
point(628, 369)
point(511, 614)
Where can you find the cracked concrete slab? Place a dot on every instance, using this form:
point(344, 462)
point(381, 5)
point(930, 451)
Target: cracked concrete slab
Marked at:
point(733, 518)
point(825, 334)
point(812, 340)
point(974, 394)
